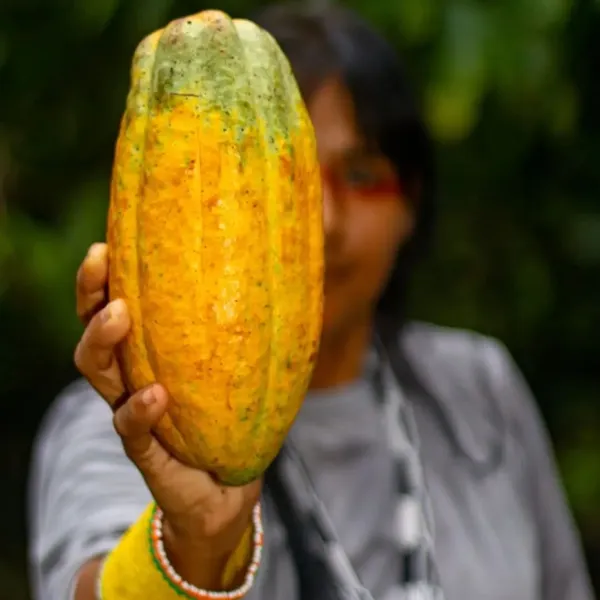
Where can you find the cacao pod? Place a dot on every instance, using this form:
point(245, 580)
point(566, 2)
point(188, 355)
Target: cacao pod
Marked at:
point(215, 240)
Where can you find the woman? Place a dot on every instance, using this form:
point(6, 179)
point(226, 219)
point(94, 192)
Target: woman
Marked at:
point(418, 466)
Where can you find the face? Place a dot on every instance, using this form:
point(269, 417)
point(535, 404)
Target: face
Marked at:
point(366, 217)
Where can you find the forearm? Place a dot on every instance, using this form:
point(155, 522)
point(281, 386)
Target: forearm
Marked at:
point(87, 580)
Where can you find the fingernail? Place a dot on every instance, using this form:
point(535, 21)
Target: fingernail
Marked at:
point(148, 397)
point(105, 315)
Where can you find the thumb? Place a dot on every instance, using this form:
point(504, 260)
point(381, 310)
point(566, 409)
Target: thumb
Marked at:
point(134, 421)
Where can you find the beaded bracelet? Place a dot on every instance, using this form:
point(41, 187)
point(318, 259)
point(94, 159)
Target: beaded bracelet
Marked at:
point(138, 567)
point(163, 564)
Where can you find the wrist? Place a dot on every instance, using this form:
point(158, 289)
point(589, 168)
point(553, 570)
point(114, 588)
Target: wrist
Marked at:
point(220, 562)
point(198, 562)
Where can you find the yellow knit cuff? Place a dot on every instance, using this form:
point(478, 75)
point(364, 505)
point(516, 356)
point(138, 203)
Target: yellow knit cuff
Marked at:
point(138, 569)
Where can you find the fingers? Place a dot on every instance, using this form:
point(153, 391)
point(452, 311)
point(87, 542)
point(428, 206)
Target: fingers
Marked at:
point(134, 422)
point(92, 278)
point(95, 354)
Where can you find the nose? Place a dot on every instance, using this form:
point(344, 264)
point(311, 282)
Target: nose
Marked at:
point(331, 216)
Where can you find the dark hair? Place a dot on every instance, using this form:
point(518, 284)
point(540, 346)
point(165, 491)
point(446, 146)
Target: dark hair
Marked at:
point(326, 40)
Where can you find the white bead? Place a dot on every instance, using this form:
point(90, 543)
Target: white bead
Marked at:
point(408, 521)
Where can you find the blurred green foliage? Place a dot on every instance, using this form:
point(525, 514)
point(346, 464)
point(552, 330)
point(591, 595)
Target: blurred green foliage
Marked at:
point(509, 89)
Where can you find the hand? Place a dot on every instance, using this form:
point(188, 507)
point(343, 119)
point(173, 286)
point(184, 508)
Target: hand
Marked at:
point(204, 521)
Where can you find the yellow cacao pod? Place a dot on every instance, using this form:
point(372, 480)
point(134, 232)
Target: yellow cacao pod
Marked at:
point(216, 242)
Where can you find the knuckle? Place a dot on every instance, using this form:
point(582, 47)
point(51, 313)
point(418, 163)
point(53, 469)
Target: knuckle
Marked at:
point(81, 313)
point(80, 279)
point(84, 356)
point(79, 357)
point(126, 430)
point(93, 330)
point(119, 423)
point(79, 274)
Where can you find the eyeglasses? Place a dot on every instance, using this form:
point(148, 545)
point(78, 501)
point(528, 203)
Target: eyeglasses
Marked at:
point(368, 176)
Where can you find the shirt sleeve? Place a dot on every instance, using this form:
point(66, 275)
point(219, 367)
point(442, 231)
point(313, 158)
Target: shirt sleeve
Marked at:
point(563, 566)
point(84, 493)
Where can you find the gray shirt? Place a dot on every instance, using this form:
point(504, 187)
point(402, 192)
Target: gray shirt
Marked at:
point(502, 529)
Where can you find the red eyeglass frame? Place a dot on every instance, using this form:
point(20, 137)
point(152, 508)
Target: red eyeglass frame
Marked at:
point(384, 186)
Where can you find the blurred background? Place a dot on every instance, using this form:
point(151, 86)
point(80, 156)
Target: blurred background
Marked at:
point(511, 91)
